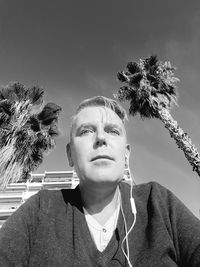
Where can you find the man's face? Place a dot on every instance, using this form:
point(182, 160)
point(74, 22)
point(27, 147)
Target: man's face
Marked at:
point(98, 146)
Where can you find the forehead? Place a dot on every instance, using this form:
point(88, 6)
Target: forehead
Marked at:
point(95, 115)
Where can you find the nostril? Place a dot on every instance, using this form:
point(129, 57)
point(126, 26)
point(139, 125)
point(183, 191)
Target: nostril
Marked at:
point(100, 142)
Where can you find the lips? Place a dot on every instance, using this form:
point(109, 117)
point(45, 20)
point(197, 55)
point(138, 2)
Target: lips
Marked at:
point(102, 157)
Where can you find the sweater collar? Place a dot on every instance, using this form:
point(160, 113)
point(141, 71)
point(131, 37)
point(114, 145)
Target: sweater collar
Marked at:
point(114, 246)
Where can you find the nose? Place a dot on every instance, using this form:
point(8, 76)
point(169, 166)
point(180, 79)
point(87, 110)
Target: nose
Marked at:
point(100, 139)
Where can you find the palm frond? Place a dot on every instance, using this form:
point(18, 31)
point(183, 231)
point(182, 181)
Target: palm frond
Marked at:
point(121, 77)
point(151, 63)
point(6, 107)
point(14, 91)
point(33, 123)
point(150, 79)
point(49, 113)
point(135, 80)
point(124, 93)
point(19, 91)
point(53, 130)
point(133, 67)
point(7, 93)
point(35, 95)
point(24, 177)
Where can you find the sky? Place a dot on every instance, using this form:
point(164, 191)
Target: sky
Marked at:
point(74, 49)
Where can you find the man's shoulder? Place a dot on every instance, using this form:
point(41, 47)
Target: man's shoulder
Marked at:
point(57, 195)
point(144, 188)
point(151, 187)
point(150, 193)
point(49, 199)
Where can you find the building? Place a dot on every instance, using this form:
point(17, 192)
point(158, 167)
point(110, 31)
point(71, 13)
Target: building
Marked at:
point(16, 194)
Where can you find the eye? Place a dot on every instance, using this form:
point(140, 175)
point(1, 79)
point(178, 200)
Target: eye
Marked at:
point(86, 131)
point(113, 131)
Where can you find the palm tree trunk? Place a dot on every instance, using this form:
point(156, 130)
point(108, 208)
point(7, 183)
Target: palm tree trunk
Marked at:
point(182, 139)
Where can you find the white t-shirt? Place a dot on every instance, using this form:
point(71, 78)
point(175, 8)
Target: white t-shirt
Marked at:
point(102, 234)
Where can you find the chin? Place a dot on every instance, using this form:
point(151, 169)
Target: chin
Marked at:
point(106, 178)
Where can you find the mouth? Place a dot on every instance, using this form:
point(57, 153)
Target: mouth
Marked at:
point(102, 157)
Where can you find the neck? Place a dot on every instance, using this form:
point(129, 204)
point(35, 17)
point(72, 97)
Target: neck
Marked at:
point(100, 202)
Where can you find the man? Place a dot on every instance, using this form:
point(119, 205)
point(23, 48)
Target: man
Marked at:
point(95, 224)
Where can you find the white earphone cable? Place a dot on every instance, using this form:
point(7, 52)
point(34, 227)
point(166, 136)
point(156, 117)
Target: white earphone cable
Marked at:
point(134, 211)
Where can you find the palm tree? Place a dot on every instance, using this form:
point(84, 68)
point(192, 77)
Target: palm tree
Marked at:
point(150, 86)
point(26, 131)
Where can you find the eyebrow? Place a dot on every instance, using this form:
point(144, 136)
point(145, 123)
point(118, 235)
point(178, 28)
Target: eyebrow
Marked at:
point(113, 125)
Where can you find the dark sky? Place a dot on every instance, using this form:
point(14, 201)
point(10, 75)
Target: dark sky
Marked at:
point(74, 50)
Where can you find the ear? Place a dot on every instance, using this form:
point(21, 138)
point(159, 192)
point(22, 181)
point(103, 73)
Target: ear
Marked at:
point(69, 155)
point(127, 154)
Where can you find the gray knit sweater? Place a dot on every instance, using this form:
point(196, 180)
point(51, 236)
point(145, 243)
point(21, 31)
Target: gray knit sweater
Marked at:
point(50, 230)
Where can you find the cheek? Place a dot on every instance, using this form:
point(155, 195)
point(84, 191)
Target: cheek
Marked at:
point(121, 156)
point(79, 154)
point(121, 150)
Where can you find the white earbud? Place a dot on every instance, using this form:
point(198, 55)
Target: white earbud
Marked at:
point(133, 207)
